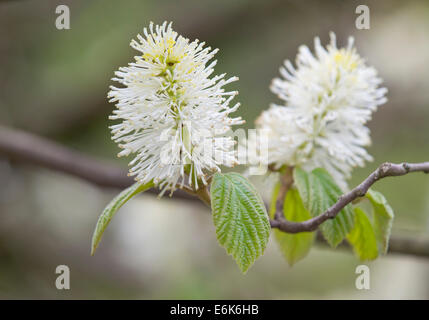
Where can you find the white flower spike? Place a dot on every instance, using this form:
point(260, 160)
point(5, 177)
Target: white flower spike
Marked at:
point(174, 117)
point(328, 98)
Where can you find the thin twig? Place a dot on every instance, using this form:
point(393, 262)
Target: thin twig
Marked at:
point(385, 170)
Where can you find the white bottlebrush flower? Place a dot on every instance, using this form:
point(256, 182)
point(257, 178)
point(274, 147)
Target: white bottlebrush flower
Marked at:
point(174, 116)
point(328, 98)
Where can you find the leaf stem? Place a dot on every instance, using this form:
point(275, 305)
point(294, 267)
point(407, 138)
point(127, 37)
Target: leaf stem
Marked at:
point(286, 181)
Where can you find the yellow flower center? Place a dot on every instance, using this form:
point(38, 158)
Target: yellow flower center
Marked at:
point(346, 59)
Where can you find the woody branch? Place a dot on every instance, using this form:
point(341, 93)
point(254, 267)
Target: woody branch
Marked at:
point(24, 147)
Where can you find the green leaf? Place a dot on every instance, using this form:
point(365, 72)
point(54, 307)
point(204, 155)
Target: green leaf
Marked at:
point(240, 218)
point(383, 218)
point(362, 237)
point(293, 246)
point(111, 209)
point(319, 192)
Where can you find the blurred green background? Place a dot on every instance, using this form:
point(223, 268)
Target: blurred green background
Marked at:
point(54, 83)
